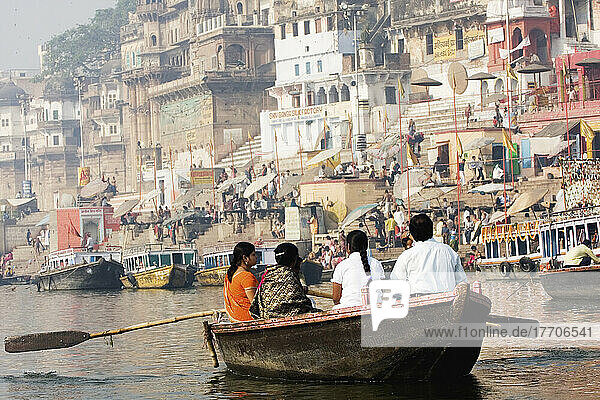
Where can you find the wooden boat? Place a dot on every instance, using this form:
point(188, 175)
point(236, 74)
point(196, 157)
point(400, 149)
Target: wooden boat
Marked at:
point(158, 267)
point(217, 263)
point(74, 269)
point(327, 346)
point(16, 280)
point(572, 283)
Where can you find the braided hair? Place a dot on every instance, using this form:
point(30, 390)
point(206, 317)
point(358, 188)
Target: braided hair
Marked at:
point(359, 242)
point(239, 251)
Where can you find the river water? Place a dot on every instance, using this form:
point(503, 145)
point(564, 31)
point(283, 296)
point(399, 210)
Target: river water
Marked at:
point(169, 362)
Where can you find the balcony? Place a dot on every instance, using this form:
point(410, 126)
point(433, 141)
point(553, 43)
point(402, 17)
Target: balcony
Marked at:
point(152, 8)
point(104, 141)
point(496, 11)
point(106, 115)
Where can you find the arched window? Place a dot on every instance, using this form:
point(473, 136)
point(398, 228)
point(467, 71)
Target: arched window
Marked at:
point(240, 8)
point(153, 40)
point(517, 37)
point(345, 93)
point(499, 86)
point(333, 95)
point(235, 55)
point(321, 96)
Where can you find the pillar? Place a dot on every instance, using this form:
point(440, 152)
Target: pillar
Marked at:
point(562, 9)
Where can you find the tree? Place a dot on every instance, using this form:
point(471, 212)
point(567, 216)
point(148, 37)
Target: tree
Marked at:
point(78, 47)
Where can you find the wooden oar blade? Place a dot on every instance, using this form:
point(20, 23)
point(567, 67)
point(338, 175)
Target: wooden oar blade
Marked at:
point(44, 341)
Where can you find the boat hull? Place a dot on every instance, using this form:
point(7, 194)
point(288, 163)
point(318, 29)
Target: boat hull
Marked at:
point(328, 346)
point(171, 277)
point(572, 283)
point(101, 274)
point(211, 276)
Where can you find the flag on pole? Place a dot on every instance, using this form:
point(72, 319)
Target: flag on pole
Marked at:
point(588, 133)
point(349, 143)
point(507, 143)
point(510, 72)
point(400, 88)
point(459, 146)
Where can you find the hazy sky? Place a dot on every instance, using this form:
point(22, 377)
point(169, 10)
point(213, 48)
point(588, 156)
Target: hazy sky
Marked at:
point(24, 24)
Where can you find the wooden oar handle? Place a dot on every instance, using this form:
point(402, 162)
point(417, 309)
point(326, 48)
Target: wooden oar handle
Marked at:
point(319, 293)
point(153, 323)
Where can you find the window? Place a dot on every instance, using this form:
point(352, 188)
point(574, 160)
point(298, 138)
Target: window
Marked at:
point(306, 27)
point(112, 98)
point(55, 140)
point(297, 69)
point(310, 98)
point(308, 67)
point(282, 28)
point(296, 101)
point(345, 93)
point(458, 34)
point(306, 49)
point(318, 25)
point(113, 129)
point(55, 115)
point(390, 95)
point(401, 46)
point(330, 23)
point(429, 43)
point(319, 66)
point(294, 29)
point(178, 259)
point(333, 95)
point(321, 96)
point(153, 260)
point(153, 40)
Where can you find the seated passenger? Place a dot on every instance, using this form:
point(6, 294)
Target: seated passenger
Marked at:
point(428, 266)
point(280, 292)
point(240, 284)
point(581, 255)
point(352, 274)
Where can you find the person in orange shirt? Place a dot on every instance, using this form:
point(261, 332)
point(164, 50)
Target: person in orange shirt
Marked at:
point(240, 284)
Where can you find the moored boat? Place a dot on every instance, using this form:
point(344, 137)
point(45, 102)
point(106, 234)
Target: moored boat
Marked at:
point(572, 283)
point(75, 269)
point(217, 260)
point(327, 346)
point(158, 267)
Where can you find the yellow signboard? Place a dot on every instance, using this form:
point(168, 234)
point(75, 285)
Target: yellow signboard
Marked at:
point(201, 177)
point(84, 175)
point(444, 47)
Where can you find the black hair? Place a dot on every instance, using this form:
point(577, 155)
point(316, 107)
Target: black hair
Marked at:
point(587, 243)
point(359, 242)
point(239, 251)
point(405, 241)
point(421, 227)
point(286, 254)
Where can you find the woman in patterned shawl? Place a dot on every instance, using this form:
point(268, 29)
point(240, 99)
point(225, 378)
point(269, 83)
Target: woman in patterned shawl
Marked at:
point(280, 292)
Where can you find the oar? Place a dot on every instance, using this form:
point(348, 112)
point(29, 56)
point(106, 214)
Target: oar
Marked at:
point(319, 293)
point(64, 339)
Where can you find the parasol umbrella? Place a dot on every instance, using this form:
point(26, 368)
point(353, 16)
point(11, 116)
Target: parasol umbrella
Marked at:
point(492, 98)
point(125, 207)
point(490, 188)
point(357, 213)
point(188, 196)
point(323, 156)
point(224, 186)
point(288, 187)
point(44, 221)
point(534, 69)
point(426, 82)
point(93, 188)
point(496, 216)
point(481, 76)
point(259, 183)
point(478, 144)
point(388, 152)
point(150, 196)
point(526, 200)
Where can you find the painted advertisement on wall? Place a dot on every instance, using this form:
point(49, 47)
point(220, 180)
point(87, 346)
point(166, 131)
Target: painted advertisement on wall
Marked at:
point(444, 47)
point(185, 117)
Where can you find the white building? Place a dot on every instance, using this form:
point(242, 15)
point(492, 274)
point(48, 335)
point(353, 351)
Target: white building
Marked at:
point(316, 89)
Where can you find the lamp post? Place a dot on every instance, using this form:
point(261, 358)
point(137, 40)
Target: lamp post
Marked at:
point(352, 11)
point(24, 101)
point(79, 83)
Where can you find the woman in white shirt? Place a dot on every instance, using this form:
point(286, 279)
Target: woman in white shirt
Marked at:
point(352, 274)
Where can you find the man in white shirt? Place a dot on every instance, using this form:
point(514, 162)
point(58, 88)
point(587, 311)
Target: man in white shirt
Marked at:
point(429, 266)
